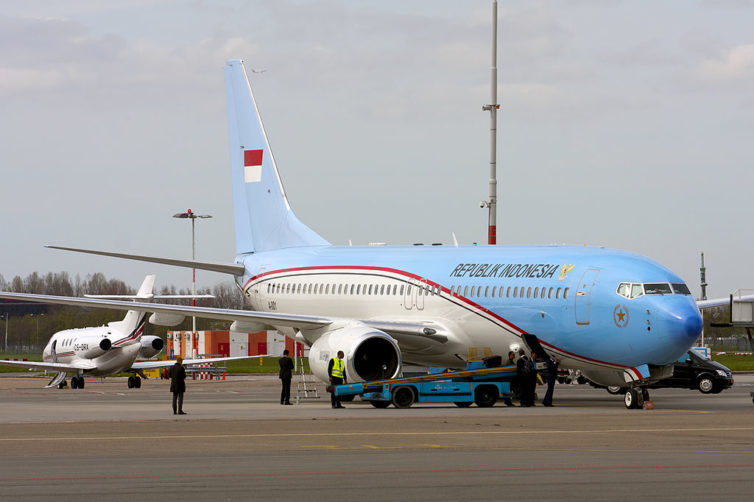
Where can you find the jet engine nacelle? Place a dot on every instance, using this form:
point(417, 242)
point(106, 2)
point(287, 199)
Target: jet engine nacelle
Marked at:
point(164, 319)
point(150, 347)
point(92, 350)
point(370, 354)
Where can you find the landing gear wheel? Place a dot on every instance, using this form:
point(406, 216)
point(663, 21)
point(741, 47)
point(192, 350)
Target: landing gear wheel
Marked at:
point(403, 397)
point(74, 382)
point(485, 396)
point(634, 398)
point(380, 404)
point(63, 384)
point(81, 382)
point(705, 384)
point(137, 383)
point(615, 390)
point(131, 383)
point(463, 404)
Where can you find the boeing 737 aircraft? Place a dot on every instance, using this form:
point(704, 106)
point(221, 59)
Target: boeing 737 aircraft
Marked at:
point(118, 347)
point(620, 318)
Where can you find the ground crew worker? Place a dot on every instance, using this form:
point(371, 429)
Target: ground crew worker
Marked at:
point(552, 375)
point(337, 372)
point(510, 362)
point(178, 385)
point(285, 375)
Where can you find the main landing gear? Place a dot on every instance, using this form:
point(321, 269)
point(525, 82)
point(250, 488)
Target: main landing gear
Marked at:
point(134, 382)
point(77, 382)
point(635, 397)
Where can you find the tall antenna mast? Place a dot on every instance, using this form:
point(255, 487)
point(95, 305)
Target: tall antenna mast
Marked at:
point(493, 107)
point(703, 274)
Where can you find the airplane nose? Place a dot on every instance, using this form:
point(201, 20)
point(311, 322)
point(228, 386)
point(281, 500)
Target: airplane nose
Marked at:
point(692, 325)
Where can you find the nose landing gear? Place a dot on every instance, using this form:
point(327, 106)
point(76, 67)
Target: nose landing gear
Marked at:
point(636, 397)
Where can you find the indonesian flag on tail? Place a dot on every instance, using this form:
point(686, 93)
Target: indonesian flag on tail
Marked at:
point(252, 166)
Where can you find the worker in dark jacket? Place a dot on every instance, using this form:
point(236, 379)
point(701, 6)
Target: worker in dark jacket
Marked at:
point(526, 375)
point(510, 362)
point(178, 385)
point(552, 375)
point(336, 369)
point(285, 375)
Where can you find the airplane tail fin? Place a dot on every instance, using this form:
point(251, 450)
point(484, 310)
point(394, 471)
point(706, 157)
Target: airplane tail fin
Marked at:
point(263, 218)
point(133, 323)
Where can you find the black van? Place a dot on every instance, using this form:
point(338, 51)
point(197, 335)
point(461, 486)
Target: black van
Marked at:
point(692, 371)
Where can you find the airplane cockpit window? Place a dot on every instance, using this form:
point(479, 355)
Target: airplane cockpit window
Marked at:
point(680, 288)
point(657, 288)
point(637, 290)
point(624, 289)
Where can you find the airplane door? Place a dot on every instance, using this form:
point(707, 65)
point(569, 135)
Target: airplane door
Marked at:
point(421, 292)
point(583, 295)
point(408, 299)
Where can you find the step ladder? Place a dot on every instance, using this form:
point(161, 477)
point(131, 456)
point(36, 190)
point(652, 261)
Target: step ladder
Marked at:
point(305, 388)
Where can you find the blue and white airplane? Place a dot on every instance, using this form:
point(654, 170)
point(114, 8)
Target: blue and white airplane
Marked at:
point(620, 318)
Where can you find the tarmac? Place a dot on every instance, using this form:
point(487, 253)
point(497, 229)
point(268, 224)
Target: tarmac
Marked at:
point(238, 443)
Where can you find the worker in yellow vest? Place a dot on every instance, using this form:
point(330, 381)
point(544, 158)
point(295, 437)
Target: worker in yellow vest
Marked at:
point(337, 372)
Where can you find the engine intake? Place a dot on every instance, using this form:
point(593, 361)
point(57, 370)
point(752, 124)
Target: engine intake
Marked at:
point(370, 354)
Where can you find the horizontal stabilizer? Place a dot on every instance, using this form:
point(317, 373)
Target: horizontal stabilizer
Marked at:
point(236, 270)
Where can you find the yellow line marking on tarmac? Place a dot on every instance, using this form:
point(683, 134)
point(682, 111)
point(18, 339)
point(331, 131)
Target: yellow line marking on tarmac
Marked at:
point(170, 437)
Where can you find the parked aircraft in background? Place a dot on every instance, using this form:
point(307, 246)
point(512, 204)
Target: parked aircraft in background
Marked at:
point(621, 318)
point(118, 347)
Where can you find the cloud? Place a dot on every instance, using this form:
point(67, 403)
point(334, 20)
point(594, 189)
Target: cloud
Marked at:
point(737, 63)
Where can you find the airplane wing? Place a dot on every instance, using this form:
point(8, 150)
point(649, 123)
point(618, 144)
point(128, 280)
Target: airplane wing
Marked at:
point(42, 366)
point(266, 318)
point(146, 365)
point(412, 336)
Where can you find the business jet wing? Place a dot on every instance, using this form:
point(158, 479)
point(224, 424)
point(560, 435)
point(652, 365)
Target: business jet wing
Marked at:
point(45, 366)
point(148, 365)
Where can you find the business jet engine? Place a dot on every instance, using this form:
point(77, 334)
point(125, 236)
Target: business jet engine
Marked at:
point(92, 350)
point(370, 354)
point(150, 347)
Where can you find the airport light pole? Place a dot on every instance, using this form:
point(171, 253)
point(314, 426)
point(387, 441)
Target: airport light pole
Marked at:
point(493, 107)
point(192, 216)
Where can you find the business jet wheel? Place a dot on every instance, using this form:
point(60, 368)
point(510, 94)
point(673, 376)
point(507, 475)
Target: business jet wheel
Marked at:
point(630, 398)
point(380, 404)
point(81, 382)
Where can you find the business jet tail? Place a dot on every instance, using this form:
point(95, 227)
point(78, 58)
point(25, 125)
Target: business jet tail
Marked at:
point(264, 220)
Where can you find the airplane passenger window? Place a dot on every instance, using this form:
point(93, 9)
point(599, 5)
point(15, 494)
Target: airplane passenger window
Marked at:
point(382, 289)
point(473, 290)
point(508, 294)
point(358, 289)
point(465, 291)
point(494, 290)
point(395, 289)
point(536, 292)
point(401, 290)
point(680, 288)
point(549, 294)
point(557, 294)
point(528, 292)
point(637, 290)
point(658, 288)
point(486, 291)
point(408, 289)
point(565, 293)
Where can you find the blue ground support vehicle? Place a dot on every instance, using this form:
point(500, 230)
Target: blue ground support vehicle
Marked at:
point(476, 384)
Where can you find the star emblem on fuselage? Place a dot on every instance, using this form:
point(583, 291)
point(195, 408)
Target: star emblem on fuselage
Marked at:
point(620, 316)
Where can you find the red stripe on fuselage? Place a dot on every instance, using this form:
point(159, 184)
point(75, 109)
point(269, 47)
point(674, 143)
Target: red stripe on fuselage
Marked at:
point(445, 290)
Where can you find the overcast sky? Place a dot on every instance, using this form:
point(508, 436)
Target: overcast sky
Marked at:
point(626, 124)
